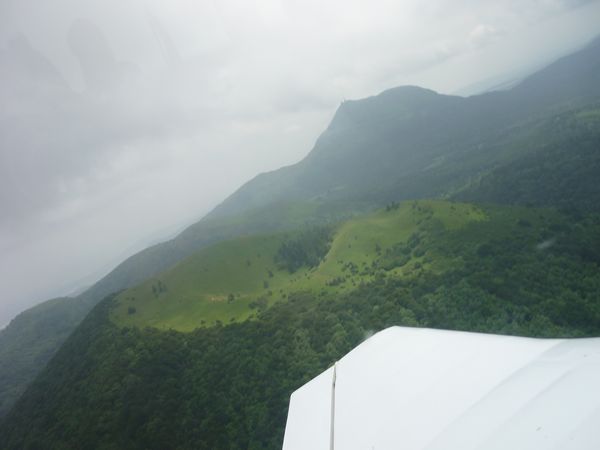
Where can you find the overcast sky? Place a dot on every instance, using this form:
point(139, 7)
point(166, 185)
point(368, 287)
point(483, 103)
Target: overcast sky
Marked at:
point(122, 121)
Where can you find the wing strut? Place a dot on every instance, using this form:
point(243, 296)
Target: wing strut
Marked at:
point(332, 421)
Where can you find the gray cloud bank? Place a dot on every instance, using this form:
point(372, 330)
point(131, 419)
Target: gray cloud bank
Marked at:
point(122, 121)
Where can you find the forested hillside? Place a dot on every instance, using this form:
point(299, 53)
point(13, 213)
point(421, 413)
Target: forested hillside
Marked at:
point(31, 341)
point(525, 271)
point(24, 353)
point(378, 149)
point(557, 165)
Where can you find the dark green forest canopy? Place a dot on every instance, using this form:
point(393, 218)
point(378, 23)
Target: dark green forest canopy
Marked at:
point(558, 165)
point(524, 271)
point(306, 248)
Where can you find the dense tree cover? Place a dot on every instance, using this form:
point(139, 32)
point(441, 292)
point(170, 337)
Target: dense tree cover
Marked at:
point(305, 248)
point(33, 338)
point(215, 388)
point(533, 277)
point(559, 166)
point(529, 272)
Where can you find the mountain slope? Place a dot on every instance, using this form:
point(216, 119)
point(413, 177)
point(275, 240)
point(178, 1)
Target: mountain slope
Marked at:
point(23, 353)
point(495, 269)
point(228, 281)
point(375, 143)
point(404, 143)
point(31, 340)
point(557, 165)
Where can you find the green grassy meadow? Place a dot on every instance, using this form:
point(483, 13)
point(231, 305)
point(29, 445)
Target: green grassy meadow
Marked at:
point(232, 280)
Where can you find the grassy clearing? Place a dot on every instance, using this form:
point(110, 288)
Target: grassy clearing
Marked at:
point(590, 115)
point(232, 280)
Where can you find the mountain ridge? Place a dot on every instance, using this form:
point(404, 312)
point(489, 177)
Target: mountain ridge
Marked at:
point(374, 151)
point(118, 383)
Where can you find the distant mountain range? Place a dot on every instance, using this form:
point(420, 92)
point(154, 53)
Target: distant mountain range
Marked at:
point(534, 145)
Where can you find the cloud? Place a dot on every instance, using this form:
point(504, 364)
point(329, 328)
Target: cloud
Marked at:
point(483, 34)
point(571, 4)
point(121, 120)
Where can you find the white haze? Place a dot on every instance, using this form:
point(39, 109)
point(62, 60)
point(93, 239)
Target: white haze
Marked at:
point(122, 121)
